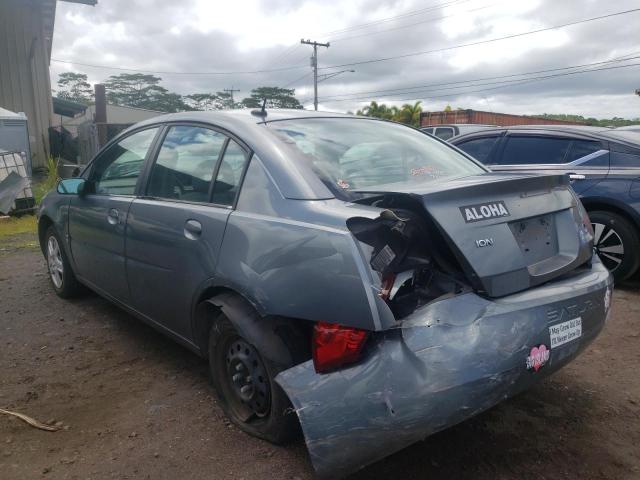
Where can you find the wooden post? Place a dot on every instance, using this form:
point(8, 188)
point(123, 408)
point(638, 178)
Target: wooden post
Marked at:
point(101, 114)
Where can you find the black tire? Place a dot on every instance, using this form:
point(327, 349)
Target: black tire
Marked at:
point(275, 422)
point(617, 243)
point(61, 275)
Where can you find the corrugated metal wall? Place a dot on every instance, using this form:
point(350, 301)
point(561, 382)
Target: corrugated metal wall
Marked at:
point(487, 118)
point(24, 70)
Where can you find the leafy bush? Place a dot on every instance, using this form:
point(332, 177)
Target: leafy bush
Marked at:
point(49, 182)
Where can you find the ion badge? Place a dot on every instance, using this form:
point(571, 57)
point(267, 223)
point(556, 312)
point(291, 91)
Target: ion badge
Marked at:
point(537, 358)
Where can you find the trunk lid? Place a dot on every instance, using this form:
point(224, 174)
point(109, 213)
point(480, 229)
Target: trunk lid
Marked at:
point(508, 231)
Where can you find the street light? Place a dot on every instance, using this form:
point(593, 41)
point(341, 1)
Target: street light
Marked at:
point(327, 76)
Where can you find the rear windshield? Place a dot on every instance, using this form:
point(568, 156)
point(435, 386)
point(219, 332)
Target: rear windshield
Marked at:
point(358, 154)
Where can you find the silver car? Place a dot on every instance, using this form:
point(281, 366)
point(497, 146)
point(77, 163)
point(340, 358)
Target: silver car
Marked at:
point(348, 276)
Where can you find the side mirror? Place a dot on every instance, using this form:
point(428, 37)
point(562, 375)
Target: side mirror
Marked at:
point(72, 186)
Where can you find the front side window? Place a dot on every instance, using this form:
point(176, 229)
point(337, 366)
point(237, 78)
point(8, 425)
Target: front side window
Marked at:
point(351, 154)
point(229, 175)
point(479, 148)
point(118, 168)
point(185, 164)
point(533, 150)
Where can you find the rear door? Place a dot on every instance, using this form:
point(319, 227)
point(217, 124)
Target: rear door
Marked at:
point(97, 220)
point(584, 159)
point(175, 229)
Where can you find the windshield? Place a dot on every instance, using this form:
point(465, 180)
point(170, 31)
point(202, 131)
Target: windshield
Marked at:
point(350, 154)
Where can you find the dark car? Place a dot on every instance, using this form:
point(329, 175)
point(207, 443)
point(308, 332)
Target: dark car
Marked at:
point(354, 275)
point(447, 131)
point(603, 165)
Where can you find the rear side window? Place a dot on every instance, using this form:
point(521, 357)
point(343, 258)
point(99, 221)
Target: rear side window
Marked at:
point(530, 150)
point(623, 156)
point(117, 170)
point(445, 133)
point(427, 130)
point(582, 148)
point(229, 175)
point(479, 148)
point(185, 164)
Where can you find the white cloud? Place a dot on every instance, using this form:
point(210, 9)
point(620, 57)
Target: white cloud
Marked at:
point(201, 35)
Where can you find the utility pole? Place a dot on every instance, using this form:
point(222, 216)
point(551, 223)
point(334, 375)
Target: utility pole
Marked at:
point(230, 92)
point(314, 65)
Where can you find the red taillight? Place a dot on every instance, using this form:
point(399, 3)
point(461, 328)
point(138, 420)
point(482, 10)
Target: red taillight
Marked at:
point(335, 345)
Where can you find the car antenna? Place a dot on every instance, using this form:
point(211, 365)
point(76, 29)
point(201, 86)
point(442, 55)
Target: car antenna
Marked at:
point(262, 112)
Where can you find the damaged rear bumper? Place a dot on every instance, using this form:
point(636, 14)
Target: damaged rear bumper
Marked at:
point(447, 361)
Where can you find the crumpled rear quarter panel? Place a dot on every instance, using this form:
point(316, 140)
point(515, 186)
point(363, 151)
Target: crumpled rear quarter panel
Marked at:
point(447, 362)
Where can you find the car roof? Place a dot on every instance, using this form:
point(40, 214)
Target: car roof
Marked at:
point(245, 115)
point(629, 137)
point(459, 125)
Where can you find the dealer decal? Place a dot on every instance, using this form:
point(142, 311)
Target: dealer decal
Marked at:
point(538, 357)
point(484, 211)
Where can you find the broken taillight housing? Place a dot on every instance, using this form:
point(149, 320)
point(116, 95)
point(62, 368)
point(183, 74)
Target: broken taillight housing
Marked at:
point(336, 345)
point(584, 216)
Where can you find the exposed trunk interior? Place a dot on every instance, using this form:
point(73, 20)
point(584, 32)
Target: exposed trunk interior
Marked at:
point(496, 235)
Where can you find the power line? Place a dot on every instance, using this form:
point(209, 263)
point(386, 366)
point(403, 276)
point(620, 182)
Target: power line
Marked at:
point(395, 17)
point(406, 89)
point(509, 83)
point(109, 67)
point(408, 25)
point(298, 79)
point(482, 42)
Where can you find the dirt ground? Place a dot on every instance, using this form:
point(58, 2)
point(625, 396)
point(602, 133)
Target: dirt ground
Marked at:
point(135, 405)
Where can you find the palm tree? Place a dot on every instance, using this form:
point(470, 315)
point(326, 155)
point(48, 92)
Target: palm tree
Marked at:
point(378, 110)
point(409, 114)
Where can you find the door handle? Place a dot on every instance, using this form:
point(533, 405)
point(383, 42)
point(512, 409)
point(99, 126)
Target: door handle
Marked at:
point(576, 176)
point(113, 217)
point(192, 229)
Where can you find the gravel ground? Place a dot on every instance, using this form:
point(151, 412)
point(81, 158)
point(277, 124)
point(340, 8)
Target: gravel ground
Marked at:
point(135, 405)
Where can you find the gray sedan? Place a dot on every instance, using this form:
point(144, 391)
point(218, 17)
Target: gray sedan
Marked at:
point(348, 277)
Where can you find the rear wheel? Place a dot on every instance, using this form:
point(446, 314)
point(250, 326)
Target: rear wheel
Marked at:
point(616, 243)
point(244, 382)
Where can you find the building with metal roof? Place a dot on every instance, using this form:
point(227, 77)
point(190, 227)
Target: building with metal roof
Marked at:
point(26, 33)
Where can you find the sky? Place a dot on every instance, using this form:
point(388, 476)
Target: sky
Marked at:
point(453, 52)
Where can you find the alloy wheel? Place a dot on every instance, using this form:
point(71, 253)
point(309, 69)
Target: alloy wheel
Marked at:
point(608, 245)
point(54, 261)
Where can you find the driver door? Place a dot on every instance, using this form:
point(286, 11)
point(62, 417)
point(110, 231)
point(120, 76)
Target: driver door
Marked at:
point(97, 219)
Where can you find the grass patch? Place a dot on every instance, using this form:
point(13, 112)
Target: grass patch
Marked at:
point(18, 225)
point(18, 232)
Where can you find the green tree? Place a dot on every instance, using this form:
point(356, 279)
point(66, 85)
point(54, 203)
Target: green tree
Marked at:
point(378, 111)
point(276, 98)
point(603, 122)
point(143, 91)
point(211, 101)
point(75, 87)
point(409, 114)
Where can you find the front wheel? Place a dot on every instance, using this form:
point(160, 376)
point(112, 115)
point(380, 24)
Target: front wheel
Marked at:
point(244, 382)
point(616, 243)
point(62, 277)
